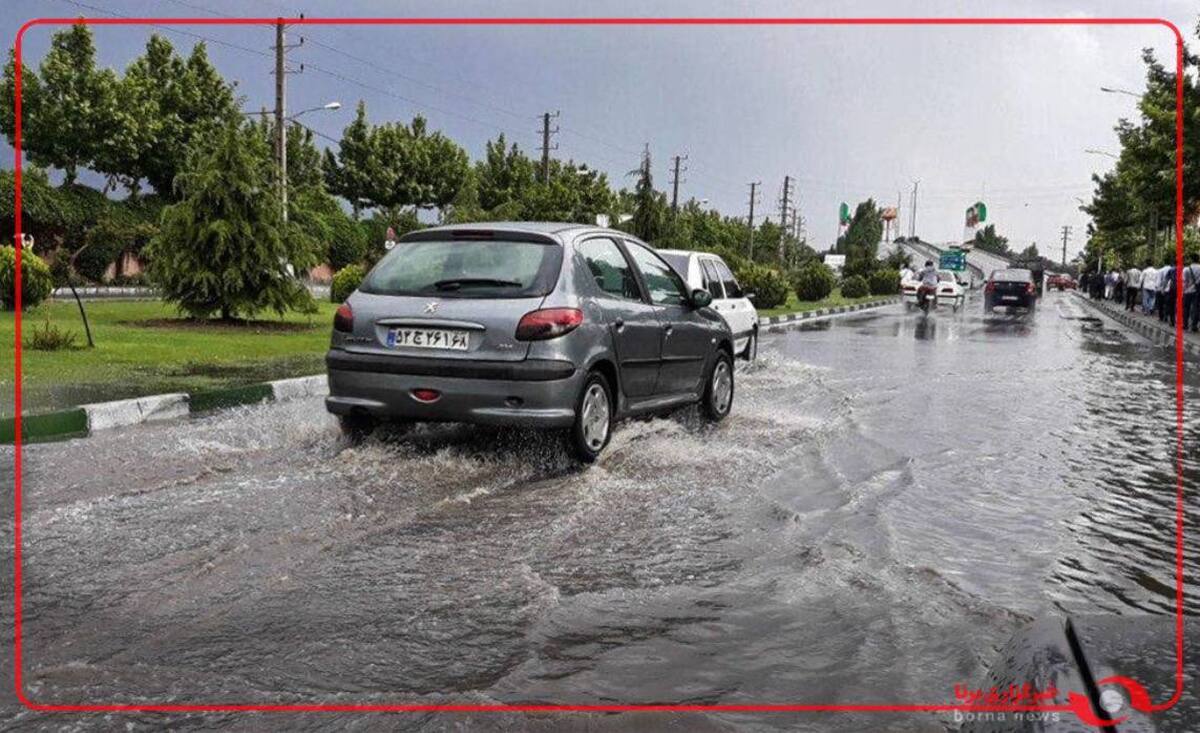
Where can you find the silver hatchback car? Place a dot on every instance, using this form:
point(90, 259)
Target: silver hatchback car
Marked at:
point(545, 325)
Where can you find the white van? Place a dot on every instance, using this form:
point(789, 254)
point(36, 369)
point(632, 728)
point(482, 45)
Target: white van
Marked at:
point(709, 271)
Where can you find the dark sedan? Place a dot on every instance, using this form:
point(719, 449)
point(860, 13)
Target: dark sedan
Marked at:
point(1011, 288)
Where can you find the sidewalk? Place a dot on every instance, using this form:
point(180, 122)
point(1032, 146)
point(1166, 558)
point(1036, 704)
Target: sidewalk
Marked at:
point(1148, 326)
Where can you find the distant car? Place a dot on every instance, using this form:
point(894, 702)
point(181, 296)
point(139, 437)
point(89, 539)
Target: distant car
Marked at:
point(542, 325)
point(949, 290)
point(1011, 288)
point(1061, 281)
point(708, 271)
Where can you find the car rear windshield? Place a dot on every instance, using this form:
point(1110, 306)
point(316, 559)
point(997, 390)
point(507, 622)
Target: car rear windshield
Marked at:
point(1012, 276)
point(489, 268)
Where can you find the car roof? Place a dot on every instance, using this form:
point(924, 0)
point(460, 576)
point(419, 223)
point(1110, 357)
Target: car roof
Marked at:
point(558, 228)
point(689, 253)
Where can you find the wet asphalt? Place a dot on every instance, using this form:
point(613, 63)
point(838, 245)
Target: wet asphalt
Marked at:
point(892, 498)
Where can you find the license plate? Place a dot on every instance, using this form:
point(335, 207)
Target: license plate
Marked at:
point(428, 338)
point(1009, 297)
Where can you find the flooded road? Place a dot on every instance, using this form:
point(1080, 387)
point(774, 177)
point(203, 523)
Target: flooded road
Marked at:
point(890, 500)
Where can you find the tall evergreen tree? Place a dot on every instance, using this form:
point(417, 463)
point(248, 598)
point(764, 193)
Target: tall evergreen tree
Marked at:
point(222, 247)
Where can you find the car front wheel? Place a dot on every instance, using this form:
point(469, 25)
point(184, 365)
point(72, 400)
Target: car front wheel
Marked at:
point(718, 390)
point(750, 353)
point(593, 419)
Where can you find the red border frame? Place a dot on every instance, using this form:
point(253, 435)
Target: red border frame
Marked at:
point(1079, 705)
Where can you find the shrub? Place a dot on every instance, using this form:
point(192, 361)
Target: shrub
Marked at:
point(769, 286)
point(813, 282)
point(36, 280)
point(50, 338)
point(855, 286)
point(345, 282)
point(885, 282)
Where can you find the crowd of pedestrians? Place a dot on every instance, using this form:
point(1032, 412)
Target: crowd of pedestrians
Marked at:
point(1151, 290)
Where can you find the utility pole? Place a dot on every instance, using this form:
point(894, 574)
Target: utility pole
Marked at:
point(281, 71)
point(547, 131)
point(1066, 231)
point(912, 218)
point(783, 214)
point(675, 184)
point(753, 197)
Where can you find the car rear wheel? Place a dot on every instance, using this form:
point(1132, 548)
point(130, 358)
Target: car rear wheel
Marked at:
point(718, 389)
point(593, 419)
point(357, 427)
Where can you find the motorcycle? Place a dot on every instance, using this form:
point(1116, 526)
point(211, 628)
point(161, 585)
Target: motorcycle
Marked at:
point(926, 296)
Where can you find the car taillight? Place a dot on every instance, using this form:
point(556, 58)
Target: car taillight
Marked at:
point(548, 323)
point(343, 320)
point(990, 287)
point(1029, 288)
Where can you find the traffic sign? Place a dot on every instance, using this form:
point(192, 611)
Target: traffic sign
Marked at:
point(955, 261)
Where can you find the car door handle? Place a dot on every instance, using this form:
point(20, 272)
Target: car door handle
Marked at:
point(619, 324)
point(668, 330)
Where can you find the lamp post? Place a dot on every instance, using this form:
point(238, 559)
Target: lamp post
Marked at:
point(1118, 90)
point(283, 192)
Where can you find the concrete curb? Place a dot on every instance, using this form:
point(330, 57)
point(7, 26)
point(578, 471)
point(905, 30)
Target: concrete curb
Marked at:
point(82, 421)
point(114, 292)
point(774, 321)
point(1145, 325)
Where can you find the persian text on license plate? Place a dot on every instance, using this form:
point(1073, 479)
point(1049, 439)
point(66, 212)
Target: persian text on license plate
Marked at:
point(1009, 297)
point(428, 338)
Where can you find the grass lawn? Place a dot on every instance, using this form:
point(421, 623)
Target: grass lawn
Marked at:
point(144, 347)
point(795, 306)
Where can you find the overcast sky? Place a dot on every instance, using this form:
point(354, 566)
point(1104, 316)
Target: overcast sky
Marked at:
point(1001, 114)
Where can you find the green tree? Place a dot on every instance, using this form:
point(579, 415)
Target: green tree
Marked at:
point(418, 168)
point(860, 243)
point(222, 247)
point(649, 206)
point(352, 172)
point(67, 108)
point(504, 175)
point(988, 240)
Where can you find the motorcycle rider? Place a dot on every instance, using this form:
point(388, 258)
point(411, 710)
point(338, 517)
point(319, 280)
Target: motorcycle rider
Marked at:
point(928, 278)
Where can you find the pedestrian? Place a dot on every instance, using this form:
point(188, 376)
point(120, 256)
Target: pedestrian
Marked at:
point(1133, 288)
point(1191, 295)
point(1149, 288)
point(1162, 300)
point(1119, 286)
point(1108, 285)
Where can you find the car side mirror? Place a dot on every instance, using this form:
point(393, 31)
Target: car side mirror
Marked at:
point(701, 298)
point(751, 297)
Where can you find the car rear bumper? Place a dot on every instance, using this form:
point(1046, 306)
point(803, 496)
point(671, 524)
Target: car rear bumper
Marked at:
point(532, 393)
point(1022, 301)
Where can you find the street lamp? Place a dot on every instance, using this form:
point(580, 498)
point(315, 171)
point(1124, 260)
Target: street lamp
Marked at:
point(329, 106)
point(1117, 90)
